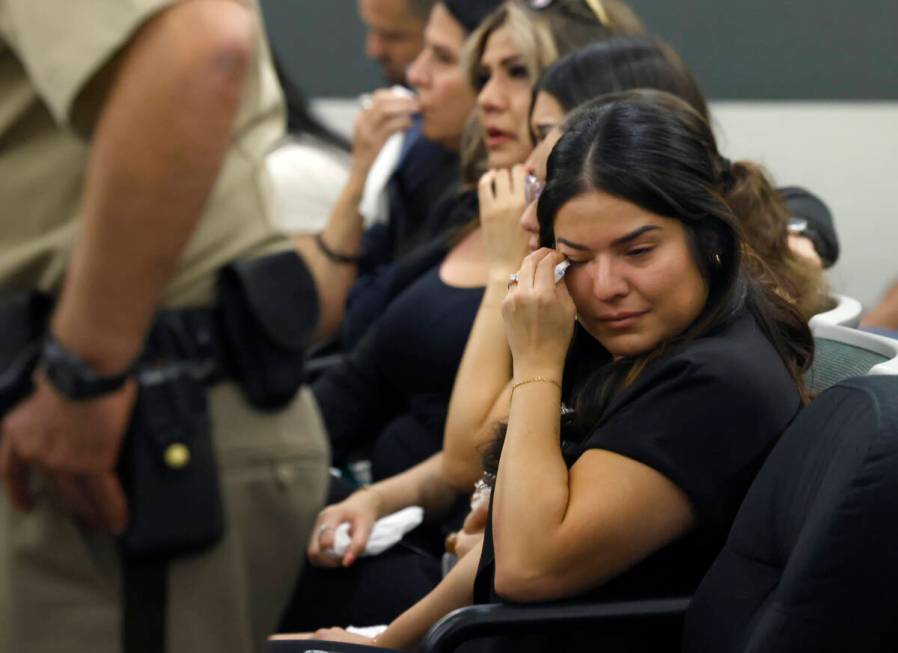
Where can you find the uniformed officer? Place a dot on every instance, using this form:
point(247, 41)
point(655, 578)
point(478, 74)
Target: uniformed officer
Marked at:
point(131, 144)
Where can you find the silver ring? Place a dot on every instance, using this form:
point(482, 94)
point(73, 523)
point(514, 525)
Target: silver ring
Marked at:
point(323, 528)
point(513, 279)
point(365, 101)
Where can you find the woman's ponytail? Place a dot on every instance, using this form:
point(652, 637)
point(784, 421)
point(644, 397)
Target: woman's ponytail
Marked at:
point(764, 218)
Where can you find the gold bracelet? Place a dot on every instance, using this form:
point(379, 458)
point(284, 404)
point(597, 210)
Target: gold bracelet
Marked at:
point(535, 379)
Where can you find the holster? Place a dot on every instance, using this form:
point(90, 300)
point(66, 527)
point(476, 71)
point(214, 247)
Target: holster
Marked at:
point(267, 312)
point(168, 468)
point(256, 336)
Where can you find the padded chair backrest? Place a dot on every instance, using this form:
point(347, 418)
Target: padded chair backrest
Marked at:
point(846, 312)
point(841, 353)
point(811, 563)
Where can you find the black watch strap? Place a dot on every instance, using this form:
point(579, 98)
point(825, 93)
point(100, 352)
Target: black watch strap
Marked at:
point(72, 377)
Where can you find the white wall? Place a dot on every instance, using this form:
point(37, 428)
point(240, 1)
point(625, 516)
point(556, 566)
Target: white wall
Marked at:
point(847, 153)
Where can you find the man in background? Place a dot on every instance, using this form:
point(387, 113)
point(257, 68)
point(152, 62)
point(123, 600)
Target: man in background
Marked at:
point(395, 33)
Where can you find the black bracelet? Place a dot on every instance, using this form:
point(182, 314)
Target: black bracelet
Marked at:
point(336, 257)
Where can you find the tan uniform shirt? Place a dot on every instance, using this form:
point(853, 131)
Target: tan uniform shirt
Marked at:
point(49, 52)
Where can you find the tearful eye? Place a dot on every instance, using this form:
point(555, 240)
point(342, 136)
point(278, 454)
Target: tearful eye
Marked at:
point(636, 252)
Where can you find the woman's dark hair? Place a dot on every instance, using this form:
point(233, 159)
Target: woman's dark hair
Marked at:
point(653, 150)
point(300, 120)
point(620, 63)
point(625, 63)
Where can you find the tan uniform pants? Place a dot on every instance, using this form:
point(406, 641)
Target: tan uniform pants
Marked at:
point(60, 587)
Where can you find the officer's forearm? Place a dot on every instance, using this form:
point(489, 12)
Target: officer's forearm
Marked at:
point(155, 154)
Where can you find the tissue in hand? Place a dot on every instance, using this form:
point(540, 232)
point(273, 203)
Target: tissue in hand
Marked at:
point(373, 205)
point(385, 533)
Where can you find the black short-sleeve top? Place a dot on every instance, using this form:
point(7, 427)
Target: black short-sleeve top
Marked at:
point(392, 390)
point(705, 415)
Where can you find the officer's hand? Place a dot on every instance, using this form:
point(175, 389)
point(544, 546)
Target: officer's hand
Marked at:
point(74, 445)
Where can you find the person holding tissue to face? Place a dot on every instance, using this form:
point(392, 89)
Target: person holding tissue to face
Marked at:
point(649, 384)
point(392, 391)
point(424, 166)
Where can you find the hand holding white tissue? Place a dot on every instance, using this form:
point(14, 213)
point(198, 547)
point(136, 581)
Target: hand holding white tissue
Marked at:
point(373, 205)
point(386, 532)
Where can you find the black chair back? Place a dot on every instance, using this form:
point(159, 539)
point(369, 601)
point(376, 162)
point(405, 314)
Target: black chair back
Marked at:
point(811, 563)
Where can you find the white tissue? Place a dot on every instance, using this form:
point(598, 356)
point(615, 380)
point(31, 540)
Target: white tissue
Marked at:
point(366, 631)
point(374, 206)
point(560, 269)
point(385, 533)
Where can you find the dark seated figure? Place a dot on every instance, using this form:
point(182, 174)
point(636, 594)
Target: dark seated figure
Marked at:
point(705, 416)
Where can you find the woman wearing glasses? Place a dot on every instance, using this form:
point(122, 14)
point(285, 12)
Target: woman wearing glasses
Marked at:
point(476, 406)
point(506, 196)
point(393, 391)
point(634, 431)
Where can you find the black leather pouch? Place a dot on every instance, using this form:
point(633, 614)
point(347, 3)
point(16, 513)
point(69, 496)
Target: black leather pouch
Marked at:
point(269, 311)
point(23, 321)
point(169, 470)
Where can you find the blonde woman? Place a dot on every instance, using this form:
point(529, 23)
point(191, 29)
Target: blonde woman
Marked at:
point(395, 388)
point(681, 372)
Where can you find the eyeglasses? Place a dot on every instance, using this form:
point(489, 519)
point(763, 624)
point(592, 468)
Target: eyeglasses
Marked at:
point(596, 6)
point(533, 187)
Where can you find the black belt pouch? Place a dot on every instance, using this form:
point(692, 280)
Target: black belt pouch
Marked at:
point(169, 470)
point(269, 312)
point(23, 320)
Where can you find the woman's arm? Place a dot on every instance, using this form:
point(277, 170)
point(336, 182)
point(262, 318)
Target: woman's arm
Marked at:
point(456, 590)
point(583, 527)
point(342, 234)
point(422, 485)
point(559, 532)
point(389, 113)
point(480, 393)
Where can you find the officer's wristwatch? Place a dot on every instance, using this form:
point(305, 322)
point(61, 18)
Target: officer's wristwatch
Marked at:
point(72, 377)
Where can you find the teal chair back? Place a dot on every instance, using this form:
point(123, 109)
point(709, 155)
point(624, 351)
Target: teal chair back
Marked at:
point(842, 353)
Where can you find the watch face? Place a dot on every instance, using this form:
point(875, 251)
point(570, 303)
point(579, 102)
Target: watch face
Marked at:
point(72, 377)
point(797, 225)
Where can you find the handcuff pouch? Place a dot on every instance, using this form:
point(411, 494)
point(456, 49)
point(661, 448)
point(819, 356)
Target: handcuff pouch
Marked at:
point(269, 309)
point(168, 468)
